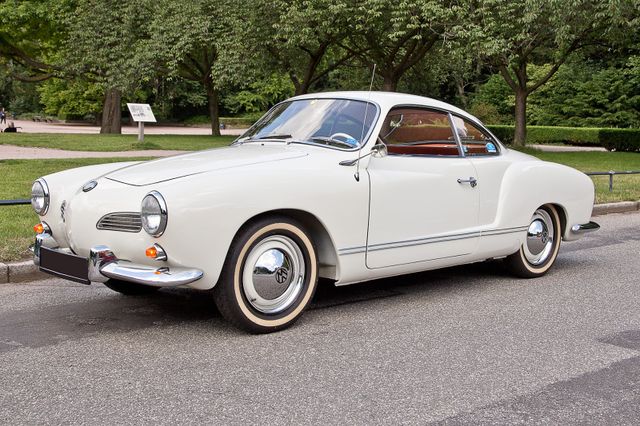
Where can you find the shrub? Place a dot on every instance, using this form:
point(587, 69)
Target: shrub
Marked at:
point(504, 133)
point(549, 134)
point(620, 139)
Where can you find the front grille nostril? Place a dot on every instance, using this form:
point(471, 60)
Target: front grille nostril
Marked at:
point(121, 221)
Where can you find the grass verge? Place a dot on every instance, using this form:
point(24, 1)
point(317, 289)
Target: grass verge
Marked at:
point(17, 175)
point(106, 143)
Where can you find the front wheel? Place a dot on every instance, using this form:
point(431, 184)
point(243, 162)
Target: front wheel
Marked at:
point(540, 250)
point(269, 276)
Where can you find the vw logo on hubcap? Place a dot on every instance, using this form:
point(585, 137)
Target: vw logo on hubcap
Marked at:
point(281, 275)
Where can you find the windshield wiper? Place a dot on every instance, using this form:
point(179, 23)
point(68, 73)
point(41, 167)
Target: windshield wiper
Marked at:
point(333, 141)
point(276, 136)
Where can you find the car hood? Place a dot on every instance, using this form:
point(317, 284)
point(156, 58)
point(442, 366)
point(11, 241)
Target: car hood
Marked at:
point(165, 169)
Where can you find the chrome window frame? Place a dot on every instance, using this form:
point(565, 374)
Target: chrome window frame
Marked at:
point(482, 128)
point(432, 109)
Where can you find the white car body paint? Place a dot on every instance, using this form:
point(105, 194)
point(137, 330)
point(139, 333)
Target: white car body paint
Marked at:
point(404, 215)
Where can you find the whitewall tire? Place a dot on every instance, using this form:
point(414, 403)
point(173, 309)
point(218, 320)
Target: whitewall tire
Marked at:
point(269, 276)
point(540, 250)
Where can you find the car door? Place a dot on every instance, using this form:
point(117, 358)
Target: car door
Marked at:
point(424, 198)
point(484, 152)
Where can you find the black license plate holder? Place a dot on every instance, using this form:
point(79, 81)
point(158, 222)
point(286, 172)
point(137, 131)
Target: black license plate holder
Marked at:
point(64, 265)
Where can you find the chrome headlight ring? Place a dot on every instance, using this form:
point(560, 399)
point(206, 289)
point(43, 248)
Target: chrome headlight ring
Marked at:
point(154, 213)
point(40, 197)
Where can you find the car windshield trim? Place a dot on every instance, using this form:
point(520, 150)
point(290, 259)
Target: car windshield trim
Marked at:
point(374, 113)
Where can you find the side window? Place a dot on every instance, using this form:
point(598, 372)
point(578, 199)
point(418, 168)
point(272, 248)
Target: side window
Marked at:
point(416, 131)
point(475, 141)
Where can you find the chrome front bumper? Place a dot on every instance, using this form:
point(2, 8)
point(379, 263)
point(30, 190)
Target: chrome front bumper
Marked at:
point(584, 228)
point(103, 265)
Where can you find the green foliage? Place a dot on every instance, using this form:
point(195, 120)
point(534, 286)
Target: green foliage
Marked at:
point(585, 94)
point(496, 92)
point(612, 139)
point(71, 99)
point(620, 139)
point(107, 43)
point(260, 96)
point(545, 134)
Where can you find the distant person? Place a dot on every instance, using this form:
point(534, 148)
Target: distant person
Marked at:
point(3, 116)
point(11, 128)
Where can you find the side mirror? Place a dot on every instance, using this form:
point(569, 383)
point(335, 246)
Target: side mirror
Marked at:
point(379, 150)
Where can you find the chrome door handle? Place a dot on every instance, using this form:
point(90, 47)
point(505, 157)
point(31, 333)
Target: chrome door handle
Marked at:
point(471, 181)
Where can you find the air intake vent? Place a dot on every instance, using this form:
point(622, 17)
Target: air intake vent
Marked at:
point(121, 221)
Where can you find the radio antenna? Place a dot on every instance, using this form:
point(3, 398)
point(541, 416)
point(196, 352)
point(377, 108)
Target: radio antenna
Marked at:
point(364, 122)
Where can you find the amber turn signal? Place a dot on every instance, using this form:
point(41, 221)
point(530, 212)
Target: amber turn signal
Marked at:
point(151, 252)
point(39, 228)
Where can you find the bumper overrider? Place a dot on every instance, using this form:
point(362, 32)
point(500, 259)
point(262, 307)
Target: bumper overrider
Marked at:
point(103, 265)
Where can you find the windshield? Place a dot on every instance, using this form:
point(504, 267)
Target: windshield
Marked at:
point(331, 122)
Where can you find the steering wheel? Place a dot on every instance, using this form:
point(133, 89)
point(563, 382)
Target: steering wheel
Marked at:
point(346, 136)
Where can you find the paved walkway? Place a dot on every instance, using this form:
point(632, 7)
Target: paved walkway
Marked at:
point(26, 126)
point(12, 152)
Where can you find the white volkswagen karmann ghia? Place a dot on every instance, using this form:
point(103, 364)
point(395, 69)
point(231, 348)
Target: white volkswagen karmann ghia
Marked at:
point(347, 186)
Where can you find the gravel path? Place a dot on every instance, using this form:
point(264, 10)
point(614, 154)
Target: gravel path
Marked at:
point(26, 126)
point(12, 152)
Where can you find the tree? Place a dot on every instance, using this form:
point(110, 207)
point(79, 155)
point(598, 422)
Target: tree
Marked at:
point(300, 37)
point(30, 33)
point(396, 36)
point(515, 35)
point(188, 39)
point(106, 45)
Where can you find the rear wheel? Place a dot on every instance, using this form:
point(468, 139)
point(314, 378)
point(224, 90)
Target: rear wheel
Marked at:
point(130, 289)
point(269, 276)
point(540, 250)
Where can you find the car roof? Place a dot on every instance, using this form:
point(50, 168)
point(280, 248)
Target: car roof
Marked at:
point(387, 100)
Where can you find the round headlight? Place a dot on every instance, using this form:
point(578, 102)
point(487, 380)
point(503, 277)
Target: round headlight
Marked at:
point(40, 196)
point(154, 213)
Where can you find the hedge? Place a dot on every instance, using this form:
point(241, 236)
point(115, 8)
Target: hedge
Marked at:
point(620, 139)
point(611, 139)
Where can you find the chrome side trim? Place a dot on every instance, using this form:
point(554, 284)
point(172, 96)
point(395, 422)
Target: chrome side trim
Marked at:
point(584, 228)
point(431, 240)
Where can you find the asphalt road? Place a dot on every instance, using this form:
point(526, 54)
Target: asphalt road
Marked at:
point(464, 345)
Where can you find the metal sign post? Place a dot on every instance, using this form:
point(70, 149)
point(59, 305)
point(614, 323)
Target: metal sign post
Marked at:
point(141, 113)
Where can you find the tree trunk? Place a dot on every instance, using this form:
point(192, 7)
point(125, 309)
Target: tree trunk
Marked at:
point(111, 112)
point(212, 98)
point(390, 83)
point(461, 93)
point(520, 137)
point(301, 88)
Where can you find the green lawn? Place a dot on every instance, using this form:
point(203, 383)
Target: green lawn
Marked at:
point(16, 222)
point(97, 142)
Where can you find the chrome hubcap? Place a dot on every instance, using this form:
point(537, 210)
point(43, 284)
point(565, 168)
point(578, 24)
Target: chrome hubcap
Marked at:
point(540, 238)
point(273, 274)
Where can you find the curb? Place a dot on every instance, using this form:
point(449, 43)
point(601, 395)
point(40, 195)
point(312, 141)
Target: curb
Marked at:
point(19, 272)
point(621, 207)
point(26, 271)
